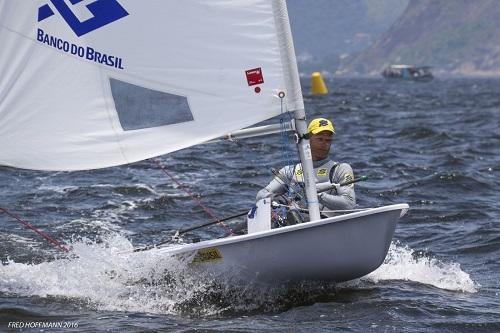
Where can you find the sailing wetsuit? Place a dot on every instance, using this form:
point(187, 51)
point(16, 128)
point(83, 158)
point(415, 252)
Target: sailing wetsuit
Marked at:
point(325, 171)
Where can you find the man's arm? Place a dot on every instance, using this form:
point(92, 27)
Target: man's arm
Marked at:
point(277, 186)
point(343, 197)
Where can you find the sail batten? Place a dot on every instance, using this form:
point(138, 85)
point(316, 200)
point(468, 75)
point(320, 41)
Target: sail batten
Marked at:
point(93, 85)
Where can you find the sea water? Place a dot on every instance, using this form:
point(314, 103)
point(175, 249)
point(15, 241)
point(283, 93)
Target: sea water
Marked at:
point(433, 145)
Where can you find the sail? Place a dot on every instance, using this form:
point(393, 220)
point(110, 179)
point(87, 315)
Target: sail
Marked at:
point(89, 84)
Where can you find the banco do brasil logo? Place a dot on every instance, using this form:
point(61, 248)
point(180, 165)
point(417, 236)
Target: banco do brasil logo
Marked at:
point(104, 12)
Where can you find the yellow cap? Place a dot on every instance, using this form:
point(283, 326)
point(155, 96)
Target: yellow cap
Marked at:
point(319, 125)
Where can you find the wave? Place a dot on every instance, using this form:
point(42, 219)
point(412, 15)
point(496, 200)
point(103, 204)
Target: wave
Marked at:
point(108, 276)
point(403, 263)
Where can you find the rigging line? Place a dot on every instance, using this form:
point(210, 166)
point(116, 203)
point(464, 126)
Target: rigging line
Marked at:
point(193, 197)
point(41, 233)
point(289, 173)
point(286, 179)
point(301, 188)
point(288, 186)
point(329, 211)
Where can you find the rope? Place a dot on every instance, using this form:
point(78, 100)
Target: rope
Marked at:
point(193, 197)
point(291, 189)
point(345, 210)
point(328, 211)
point(41, 233)
point(285, 152)
point(302, 188)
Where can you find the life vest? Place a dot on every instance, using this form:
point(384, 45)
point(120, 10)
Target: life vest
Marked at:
point(322, 173)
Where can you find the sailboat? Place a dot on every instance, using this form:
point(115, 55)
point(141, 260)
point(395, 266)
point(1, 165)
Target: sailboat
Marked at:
point(88, 85)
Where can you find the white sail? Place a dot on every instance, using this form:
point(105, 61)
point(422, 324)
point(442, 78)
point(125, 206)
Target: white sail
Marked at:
point(90, 84)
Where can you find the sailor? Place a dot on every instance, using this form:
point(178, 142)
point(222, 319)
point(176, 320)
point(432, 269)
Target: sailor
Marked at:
point(290, 179)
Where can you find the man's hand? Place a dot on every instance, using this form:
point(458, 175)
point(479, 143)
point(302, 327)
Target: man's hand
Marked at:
point(327, 186)
point(264, 193)
point(335, 188)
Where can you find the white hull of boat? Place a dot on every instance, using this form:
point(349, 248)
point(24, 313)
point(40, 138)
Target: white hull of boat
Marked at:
point(335, 249)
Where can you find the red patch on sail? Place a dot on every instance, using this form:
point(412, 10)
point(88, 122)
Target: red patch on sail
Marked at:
point(254, 76)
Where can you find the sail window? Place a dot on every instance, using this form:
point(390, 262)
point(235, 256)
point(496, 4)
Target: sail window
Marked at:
point(140, 107)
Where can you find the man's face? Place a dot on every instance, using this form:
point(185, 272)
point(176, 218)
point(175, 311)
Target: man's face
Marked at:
point(320, 145)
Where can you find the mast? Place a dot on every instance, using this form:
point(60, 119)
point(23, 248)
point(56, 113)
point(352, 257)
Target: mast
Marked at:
point(295, 104)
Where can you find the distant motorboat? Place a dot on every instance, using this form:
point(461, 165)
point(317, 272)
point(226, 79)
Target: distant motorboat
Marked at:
point(408, 72)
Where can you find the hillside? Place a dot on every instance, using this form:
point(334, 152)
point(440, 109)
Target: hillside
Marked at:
point(458, 37)
point(326, 31)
